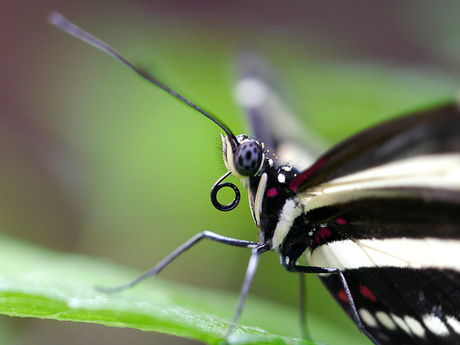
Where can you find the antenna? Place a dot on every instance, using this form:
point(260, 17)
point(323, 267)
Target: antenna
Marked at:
point(62, 23)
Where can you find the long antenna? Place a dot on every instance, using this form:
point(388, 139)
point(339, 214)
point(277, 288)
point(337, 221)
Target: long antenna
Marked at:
point(64, 24)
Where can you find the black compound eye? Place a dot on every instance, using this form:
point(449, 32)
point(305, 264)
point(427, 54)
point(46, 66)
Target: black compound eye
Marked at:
point(248, 158)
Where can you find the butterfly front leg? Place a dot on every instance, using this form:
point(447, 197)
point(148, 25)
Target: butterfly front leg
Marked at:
point(178, 251)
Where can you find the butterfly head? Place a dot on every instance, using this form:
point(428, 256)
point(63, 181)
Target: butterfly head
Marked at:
point(246, 158)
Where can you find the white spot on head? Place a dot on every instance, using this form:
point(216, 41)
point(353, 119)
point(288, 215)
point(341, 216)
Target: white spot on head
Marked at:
point(385, 320)
point(415, 326)
point(435, 325)
point(310, 233)
point(281, 178)
point(367, 318)
point(400, 322)
point(454, 323)
point(251, 92)
point(286, 168)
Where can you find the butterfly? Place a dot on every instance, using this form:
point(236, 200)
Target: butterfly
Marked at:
point(377, 216)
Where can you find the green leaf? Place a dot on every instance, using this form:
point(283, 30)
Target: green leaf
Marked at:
point(139, 181)
point(35, 282)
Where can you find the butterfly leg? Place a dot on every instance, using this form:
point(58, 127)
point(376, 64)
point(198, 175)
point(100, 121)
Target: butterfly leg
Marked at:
point(250, 272)
point(302, 307)
point(167, 260)
point(257, 249)
point(292, 267)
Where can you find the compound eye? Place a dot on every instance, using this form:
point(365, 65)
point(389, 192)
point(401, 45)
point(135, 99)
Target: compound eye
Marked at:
point(248, 158)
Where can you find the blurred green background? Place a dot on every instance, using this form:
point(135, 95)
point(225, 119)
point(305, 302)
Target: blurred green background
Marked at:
point(96, 161)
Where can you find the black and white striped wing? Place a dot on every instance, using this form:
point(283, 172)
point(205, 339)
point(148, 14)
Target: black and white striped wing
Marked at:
point(386, 208)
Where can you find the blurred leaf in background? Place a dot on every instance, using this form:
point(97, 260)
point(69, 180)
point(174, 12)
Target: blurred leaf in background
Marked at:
point(96, 161)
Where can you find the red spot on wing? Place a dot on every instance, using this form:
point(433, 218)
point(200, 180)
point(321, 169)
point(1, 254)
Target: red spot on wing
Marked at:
point(272, 192)
point(299, 180)
point(341, 221)
point(364, 290)
point(322, 234)
point(342, 296)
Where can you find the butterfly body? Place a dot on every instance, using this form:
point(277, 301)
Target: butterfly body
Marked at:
point(378, 215)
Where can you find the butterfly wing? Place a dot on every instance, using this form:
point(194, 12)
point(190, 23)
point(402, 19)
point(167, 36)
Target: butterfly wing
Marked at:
point(433, 131)
point(403, 306)
point(386, 208)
